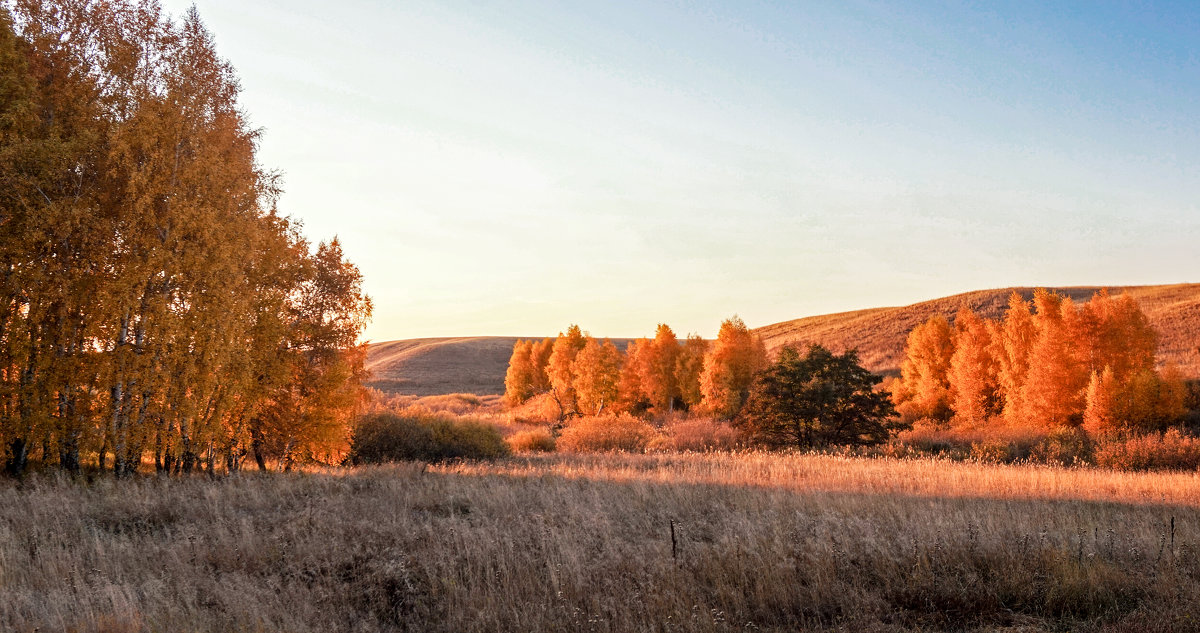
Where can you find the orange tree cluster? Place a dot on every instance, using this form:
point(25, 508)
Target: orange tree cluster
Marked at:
point(585, 376)
point(1052, 364)
point(153, 303)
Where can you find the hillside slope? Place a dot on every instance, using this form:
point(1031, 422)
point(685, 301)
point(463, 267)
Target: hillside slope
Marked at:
point(477, 364)
point(433, 366)
point(879, 333)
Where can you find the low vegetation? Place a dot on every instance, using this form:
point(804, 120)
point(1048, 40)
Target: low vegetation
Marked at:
point(418, 435)
point(609, 433)
point(773, 542)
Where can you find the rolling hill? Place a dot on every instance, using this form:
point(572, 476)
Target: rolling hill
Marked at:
point(879, 333)
point(477, 364)
point(433, 366)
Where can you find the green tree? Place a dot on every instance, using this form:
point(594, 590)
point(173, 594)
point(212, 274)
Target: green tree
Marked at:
point(816, 399)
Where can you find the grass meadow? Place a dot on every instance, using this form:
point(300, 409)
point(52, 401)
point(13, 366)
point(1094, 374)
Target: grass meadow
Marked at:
point(662, 542)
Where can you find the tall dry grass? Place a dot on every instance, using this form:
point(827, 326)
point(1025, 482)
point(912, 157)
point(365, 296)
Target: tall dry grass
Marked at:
point(584, 543)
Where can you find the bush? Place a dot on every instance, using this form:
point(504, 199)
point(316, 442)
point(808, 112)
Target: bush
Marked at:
point(1167, 451)
point(389, 437)
point(696, 434)
point(532, 441)
point(993, 442)
point(1065, 446)
point(606, 433)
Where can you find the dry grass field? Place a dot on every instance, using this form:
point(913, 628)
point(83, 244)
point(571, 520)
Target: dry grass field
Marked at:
point(584, 543)
point(477, 364)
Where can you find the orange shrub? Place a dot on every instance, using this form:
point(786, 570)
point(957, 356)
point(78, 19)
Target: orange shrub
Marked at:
point(606, 433)
point(696, 434)
point(532, 441)
point(540, 409)
point(1169, 451)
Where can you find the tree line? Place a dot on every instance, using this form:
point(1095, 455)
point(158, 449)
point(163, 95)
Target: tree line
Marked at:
point(586, 376)
point(154, 304)
point(798, 399)
point(1048, 363)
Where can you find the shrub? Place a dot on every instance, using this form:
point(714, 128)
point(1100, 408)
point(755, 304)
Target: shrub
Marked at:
point(1065, 446)
point(389, 437)
point(540, 409)
point(606, 433)
point(532, 441)
point(696, 434)
point(1167, 451)
point(992, 441)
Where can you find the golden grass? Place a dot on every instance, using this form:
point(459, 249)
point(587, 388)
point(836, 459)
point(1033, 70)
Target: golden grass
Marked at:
point(583, 543)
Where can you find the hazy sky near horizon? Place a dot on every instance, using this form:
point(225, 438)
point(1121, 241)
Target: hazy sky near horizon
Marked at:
point(509, 169)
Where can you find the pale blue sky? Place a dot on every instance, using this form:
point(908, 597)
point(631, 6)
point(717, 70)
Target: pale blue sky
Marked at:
point(512, 168)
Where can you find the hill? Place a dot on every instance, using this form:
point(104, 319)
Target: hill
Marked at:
point(476, 364)
point(879, 333)
point(433, 366)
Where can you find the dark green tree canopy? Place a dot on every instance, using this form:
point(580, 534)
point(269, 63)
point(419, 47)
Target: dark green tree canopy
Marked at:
point(818, 399)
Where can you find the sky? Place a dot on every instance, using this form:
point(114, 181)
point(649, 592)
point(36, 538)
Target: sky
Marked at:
point(512, 168)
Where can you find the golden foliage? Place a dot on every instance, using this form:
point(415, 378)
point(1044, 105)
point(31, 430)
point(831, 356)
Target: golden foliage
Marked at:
point(1059, 366)
point(560, 369)
point(597, 371)
point(729, 368)
point(153, 300)
point(924, 388)
point(973, 374)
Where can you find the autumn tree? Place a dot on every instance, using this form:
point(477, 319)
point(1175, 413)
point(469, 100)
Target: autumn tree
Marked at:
point(1012, 345)
point(1114, 333)
point(973, 373)
point(539, 358)
point(688, 367)
point(816, 399)
point(309, 416)
point(1151, 401)
point(149, 291)
point(1100, 414)
point(1053, 394)
point(597, 371)
point(924, 387)
point(729, 367)
point(658, 381)
point(519, 379)
point(560, 370)
point(632, 396)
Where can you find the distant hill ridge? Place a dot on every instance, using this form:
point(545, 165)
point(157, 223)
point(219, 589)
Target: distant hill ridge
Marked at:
point(477, 364)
